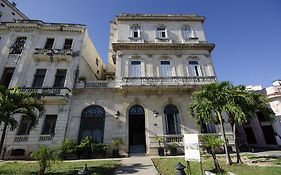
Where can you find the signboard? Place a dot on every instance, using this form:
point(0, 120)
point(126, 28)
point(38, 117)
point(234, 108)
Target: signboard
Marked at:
point(191, 147)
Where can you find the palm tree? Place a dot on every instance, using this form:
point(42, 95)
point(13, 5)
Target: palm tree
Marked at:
point(209, 102)
point(14, 102)
point(249, 104)
point(211, 143)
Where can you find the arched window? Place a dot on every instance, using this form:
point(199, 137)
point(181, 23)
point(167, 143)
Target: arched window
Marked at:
point(92, 123)
point(172, 119)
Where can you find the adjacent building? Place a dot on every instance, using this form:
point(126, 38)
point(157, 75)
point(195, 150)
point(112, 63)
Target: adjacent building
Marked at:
point(45, 58)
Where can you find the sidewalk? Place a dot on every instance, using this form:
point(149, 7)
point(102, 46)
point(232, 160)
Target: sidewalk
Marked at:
point(137, 166)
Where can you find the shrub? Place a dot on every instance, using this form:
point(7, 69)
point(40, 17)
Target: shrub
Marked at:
point(68, 149)
point(44, 156)
point(99, 150)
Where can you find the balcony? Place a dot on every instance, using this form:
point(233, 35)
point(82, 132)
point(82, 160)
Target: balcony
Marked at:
point(167, 81)
point(95, 84)
point(43, 138)
point(53, 54)
point(21, 138)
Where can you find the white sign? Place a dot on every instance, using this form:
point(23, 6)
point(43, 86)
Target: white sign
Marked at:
point(191, 147)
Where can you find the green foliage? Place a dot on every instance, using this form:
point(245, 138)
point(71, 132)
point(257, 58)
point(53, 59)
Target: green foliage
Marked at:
point(211, 142)
point(68, 149)
point(14, 102)
point(86, 144)
point(44, 156)
point(116, 142)
point(173, 146)
point(99, 149)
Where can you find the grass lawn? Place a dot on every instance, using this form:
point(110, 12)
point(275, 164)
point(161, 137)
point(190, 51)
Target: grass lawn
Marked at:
point(166, 166)
point(106, 167)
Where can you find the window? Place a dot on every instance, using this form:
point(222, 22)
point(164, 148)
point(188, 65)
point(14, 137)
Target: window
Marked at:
point(135, 69)
point(97, 61)
point(49, 125)
point(165, 69)
point(13, 14)
point(193, 69)
point(188, 33)
point(25, 126)
point(67, 44)
point(18, 45)
point(2, 5)
point(161, 33)
point(92, 123)
point(60, 78)
point(17, 152)
point(7, 76)
point(49, 43)
point(98, 71)
point(39, 78)
point(171, 117)
point(135, 32)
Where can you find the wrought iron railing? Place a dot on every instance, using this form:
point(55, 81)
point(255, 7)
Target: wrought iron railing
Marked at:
point(46, 137)
point(21, 138)
point(47, 91)
point(168, 81)
point(53, 52)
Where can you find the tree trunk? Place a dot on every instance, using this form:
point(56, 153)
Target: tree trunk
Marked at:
point(3, 137)
point(216, 162)
point(239, 160)
point(228, 158)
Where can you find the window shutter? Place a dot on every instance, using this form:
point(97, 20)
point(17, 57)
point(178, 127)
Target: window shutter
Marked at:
point(203, 71)
point(192, 34)
point(210, 70)
point(191, 71)
point(157, 34)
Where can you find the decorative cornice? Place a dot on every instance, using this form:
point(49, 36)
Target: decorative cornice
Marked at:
point(163, 46)
point(159, 17)
point(33, 25)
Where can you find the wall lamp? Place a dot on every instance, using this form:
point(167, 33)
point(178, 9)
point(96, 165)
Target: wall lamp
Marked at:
point(117, 114)
point(155, 113)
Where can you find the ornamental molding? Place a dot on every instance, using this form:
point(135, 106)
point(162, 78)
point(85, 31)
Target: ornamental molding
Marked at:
point(163, 46)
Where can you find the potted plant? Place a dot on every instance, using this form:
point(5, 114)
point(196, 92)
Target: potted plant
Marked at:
point(160, 148)
point(173, 149)
point(116, 142)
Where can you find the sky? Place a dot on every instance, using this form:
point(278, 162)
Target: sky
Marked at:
point(247, 33)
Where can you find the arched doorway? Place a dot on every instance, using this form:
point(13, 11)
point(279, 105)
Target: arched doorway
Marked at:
point(172, 119)
point(92, 123)
point(137, 142)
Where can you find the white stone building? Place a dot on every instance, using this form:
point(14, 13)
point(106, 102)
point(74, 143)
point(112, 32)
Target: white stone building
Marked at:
point(155, 62)
point(45, 58)
point(260, 133)
point(9, 12)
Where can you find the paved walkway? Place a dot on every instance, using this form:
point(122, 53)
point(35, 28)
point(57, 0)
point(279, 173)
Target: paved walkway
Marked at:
point(137, 166)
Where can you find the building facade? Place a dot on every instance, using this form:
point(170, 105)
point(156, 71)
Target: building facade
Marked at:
point(9, 12)
point(261, 133)
point(44, 58)
point(155, 62)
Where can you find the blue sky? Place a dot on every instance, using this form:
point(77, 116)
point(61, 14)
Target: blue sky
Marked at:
point(247, 33)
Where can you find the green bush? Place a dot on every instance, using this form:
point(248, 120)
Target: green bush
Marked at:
point(44, 156)
point(99, 150)
point(68, 149)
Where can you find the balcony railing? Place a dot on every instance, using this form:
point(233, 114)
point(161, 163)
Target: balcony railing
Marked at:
point(53, 52)
point(46, 137)
point(21, 138)
point(95, 84)
point(47, 91)
point(166, 81)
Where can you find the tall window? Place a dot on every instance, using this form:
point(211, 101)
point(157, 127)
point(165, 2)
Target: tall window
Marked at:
point(39, 78)
point(60, 78)
point(49, 125)
point(7, 76)
point(135, 32)
point(135, 69)
point(18, 45)
point(161, 33)
point(67, 44)
point(171, 118)
point(188, 33)
point(25, 126)
point(49, 43)
point(165, 69)
point(92, 123)
point(193, 69)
